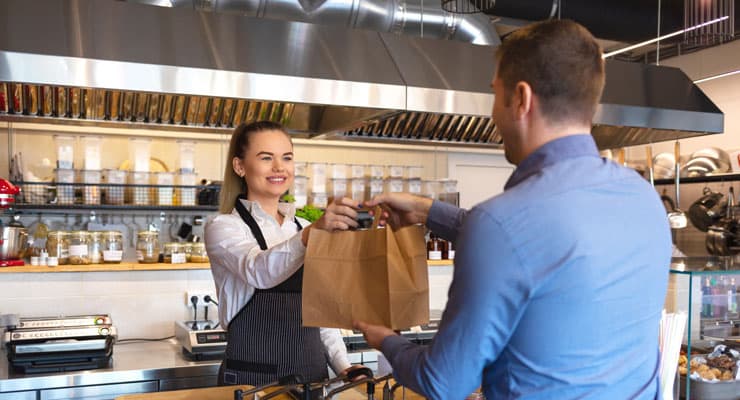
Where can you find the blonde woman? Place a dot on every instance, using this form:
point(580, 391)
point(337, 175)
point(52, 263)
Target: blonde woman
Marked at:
point(256, 246)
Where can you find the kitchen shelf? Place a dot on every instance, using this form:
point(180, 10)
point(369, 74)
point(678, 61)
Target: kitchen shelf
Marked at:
point(128, 207)
point(701, 179)
point(105, 267)
point(440, 263)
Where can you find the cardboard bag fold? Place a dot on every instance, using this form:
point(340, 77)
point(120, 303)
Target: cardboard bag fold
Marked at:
point(379, 276)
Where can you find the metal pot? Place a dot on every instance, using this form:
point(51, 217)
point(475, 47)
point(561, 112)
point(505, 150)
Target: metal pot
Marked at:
point(707, 210)
point(13, 242)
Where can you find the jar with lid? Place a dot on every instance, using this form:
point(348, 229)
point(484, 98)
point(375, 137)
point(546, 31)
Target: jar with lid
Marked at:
point(147, 247)
point(79, 248)
point(95, 250)
point(434, 247)
point(57, 245)
point(174, 253)
point(198, 254)
point(187, 248)
point(112, 247)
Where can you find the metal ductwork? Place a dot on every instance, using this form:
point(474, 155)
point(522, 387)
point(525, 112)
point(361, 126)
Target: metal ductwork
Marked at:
point(408, 17)
point(113, 63)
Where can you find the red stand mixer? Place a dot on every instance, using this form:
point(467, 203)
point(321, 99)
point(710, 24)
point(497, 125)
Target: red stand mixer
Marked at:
point(13, 239)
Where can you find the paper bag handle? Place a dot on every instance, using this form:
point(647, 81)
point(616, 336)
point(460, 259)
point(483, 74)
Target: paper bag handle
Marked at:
point(377, 214)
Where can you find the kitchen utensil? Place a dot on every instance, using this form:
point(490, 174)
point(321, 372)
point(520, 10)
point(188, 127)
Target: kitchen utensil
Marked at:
point(707, 210)
point(649, 159)
point(13, 245)
point(677, 218)
point(721, 236)
point(663, 165)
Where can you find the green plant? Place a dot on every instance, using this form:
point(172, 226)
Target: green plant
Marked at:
point(309, 213)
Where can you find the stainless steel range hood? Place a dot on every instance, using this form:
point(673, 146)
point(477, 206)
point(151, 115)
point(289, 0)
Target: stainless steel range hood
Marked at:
point(108, 62)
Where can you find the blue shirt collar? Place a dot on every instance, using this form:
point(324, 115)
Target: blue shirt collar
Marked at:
point(553, 152)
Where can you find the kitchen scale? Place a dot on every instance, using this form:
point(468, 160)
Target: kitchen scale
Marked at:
point(201, 340)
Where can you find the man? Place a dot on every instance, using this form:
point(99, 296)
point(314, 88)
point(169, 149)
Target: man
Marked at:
point(560, 280)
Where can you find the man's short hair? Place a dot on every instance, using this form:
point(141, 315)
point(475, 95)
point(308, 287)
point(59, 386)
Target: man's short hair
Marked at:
point(563, 64)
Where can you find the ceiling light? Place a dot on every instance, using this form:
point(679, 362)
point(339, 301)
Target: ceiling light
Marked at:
point(722, 75)
point(659, 38)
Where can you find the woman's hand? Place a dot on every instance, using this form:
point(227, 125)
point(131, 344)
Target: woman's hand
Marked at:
point(340, 215)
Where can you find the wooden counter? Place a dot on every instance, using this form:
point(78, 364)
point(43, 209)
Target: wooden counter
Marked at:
point(227, 393)
point(124, 266)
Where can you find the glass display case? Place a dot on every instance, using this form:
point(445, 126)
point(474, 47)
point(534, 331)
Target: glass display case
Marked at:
point(706, 289)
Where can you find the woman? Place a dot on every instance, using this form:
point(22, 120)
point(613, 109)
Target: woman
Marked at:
point(256, 246)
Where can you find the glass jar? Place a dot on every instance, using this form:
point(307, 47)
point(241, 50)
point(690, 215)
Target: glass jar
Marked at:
point(112, 247)
point(79, 248)
point(434, 248)
point(96, 247)
point(199, 253)
point(57, 245)
point(187, 248)
point(147, 247)
point(174, 253)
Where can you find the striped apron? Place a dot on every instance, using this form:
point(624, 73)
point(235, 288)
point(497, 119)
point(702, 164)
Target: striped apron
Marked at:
point(266, 339)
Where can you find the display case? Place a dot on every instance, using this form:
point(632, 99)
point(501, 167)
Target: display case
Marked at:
point(706, 289)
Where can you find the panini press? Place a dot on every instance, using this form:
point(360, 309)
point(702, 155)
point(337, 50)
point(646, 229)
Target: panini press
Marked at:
point(58, 344)
point(201, 340)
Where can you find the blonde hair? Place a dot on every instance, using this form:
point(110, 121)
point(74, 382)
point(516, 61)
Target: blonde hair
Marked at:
point(233, 184)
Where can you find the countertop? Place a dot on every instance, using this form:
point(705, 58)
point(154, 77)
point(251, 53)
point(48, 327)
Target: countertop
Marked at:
point(132, 361)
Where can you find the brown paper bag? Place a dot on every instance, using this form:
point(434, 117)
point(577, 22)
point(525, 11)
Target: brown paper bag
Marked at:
point(378, 276)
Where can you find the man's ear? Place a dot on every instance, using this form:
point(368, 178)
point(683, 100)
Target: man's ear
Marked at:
point(522, 99)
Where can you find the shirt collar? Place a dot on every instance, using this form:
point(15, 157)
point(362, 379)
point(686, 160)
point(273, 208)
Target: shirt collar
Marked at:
point(254, 208)
point(552, 152)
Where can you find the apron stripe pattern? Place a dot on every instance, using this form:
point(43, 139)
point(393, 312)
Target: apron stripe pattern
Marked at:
point(266, 339)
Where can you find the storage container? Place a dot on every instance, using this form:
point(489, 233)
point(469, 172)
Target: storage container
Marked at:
point(318, 177)
point(112, 247)
point(65, 179)
point(139, 154)
point(95, 249)
point(413, 186)
point(140, 191)
point(358, 189)
point(91, 152)
point(396, 171)
point(57, 245)
point(165, 191)
point(198, 254)
point(79, 248)
point(174, 253)
point(65, 151)
point(185, 195)
point(377, 172)
point(147, 247)
point(357, 171)
point(114, 194)
point(300, 190)
point(338, 171)
point(187, 155)
point(338, 188)
point(91, 188)
point(394, 185)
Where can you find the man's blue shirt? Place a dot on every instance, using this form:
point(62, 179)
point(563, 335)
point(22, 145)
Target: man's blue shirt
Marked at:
point(558, 286)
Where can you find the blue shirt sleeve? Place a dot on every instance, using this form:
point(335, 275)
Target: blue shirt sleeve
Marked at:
point(489, 291)
point(445, 219)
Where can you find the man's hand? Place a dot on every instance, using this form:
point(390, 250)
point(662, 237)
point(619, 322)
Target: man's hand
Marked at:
point(374, 334)
point(340, 215)
point(354, 367)
point(402, 208)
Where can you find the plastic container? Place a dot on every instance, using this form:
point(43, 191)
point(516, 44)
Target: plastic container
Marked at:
point(377, 172)
point(112, 247)
point(429, 188)
point(65, 151)
point(139, 154)
point(413, 185)
point(300, 190)
point(147, 247)
point(300, 168)
point(187, 155)
point(163, 195)
point(413, 172)
point(338, 187)
point(174, 253)
point(338, 171)
point(65, 188)
point(95, 249)
point(114, 194)
point(357, 171)
point(139, 193)
point(358, 189)
point(319, 200)
point(394, 185)
point(91, 152)
point(396, 171)
point(318, 177)
point(198, 253)
point(448, 191)
point(57, 245)
point(376, 187)
point(91, 189)
point(79, 248)
point(185, 195)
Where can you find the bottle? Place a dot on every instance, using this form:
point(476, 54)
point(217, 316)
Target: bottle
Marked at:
point(706, 298)
point(450, 251)
point(732, 297)
point(434, 248)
